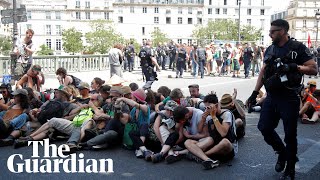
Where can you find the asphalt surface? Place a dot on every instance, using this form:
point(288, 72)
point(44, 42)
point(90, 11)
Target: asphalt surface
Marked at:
point(255, 159)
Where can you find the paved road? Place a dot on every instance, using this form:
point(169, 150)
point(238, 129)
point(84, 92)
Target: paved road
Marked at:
point(255, 159)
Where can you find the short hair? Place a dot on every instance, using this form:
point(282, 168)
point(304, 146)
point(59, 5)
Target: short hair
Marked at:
point(133, 86)
point(176, 93)
point(30, 31)
point(180, 113)
point(164, 90)
point(100, 99)
point(211, 98)
point(61, 70)
point(281, 23)
point(99, 81)
point(105, 89)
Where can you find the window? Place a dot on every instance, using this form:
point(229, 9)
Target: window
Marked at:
point(29, 14)
point(77, 4)
point(120, 10)
point(179, 10)
point(189, 10)
point(262, 24)
point(58, 44)
point(209, 10)
point(131, 9)
point(179, 20)
point(199, 21)
point(87, 15)
point(237, 11)
point(304, 35)
point(48, 14)
point(58, 15)
point(120, 19)
point(106, 15)
point(210, 2)
point(48, 29)
point(189, 20)
point(225, 2)
point(58, 29)
point(168, 11)
point(304, 23)
point(248, 11)
point(249, 21)
point(224, 10)
point(48, 43)
point(87, 4)
point(156, 10)
point(261, 11)
point(304, 12)
point(179, 41)
point(144, 10)
point(217, 11)
point(199, 12)
point(316, 24)
point(262, 2)
point(189, 42)
point(168, 20)
point(156, 20)
point(249, 2)
point(143, 31)
point(78, 15)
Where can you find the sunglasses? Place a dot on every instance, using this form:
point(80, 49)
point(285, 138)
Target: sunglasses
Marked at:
point(274, 30)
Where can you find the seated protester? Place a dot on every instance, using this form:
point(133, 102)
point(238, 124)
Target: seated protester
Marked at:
point(193, 102)
point(74, 92)
point(163, 126)
point(176, 94)
point(104, 91)
point(84, 90)
point(67, 79)
point(194, 91)
point(158, 98)
point(5, 90)
point(126, 92)
point(33, 79)
point(306, 107)
point(34, 100)
point(230, 102)
point(315, 104)
point(164, 90)
point(96, 84)
point(133, 86)
point(219, 123)
point(140, 116)
point(12, 120)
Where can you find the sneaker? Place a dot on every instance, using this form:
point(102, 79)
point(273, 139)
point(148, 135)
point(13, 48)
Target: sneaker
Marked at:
point(233, 76)
point(73, 149)
point(173, 158)
point(281, 163)
point(193, 157)
point(100, 147)
point(210, 164)
point(138, 153)
point(20, 143)
point(176, 76)
point(289, 173)
point(180, 76)
point(147, 155)
point(6, 142)
point(157, 158)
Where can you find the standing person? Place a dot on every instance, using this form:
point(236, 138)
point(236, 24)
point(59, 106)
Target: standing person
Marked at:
point(182, 58)
point(248, 54)
point(24, 50)
point(318, 57)
point(115, 60)
point(209, 57)
point(235, 61)
point(172, 55)
point(129, 53)
point(258, 57)
point(147, 63)
point(194, 61)
point(201, 58)
point(282, 99)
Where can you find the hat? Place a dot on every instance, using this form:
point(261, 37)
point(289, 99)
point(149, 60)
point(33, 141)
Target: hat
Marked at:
point(62, 89)
point(20, 91)
point(170, 105)
point(114, 80)
point(116, 89)
point(226, 100)
point(169, 122)
point(193, 86)
point(312, 82)
point(140, 95)
point(4, 86)
point(84, 85)
point(125, 90)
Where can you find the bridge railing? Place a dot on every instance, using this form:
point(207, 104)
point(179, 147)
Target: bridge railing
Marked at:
point(72, 63)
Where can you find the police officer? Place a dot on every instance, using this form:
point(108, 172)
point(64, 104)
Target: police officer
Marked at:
point(181, 62)
point(285, 62)
point(172, 55)
point(129, 53)
point(147, 63)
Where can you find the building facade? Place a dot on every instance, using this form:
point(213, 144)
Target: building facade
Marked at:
point(302, 19)
point(138, 18)
point(5, 29)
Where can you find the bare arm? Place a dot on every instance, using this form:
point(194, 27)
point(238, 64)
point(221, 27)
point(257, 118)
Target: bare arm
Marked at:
point(142, 107)
point(156, 129)
point(309, 67)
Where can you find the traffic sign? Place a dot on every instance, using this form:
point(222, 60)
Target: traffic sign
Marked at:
point(8, 20)
point(6, 12)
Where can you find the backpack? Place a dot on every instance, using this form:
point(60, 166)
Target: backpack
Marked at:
point(126, 140)
point(53, 109)
point(84, 115)
point(75, 81)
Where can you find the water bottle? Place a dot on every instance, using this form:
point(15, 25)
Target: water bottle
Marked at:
point(256, 108)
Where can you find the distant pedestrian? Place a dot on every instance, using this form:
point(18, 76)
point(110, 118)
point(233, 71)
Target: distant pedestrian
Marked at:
point(115, 60)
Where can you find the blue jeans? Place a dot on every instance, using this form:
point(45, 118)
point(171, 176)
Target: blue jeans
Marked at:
point(195, 67)
point(202, 63)
point(16, 122)
point(247, 66)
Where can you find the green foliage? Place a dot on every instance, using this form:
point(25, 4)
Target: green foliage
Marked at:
point(102, 37)
point(225, 30)
point(72, 42)
point(5, 46)
point(45, 50)
point(158, 36)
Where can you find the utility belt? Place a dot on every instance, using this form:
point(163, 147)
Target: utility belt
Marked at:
point(289, 81)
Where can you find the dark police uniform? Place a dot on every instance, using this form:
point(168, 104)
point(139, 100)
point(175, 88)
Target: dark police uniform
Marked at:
point(182, 55)
point(282, 99)
point(145, 54)
point(172, 55)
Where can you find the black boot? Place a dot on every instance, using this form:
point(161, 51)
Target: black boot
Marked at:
point(20, 143)
point(289, 172)
point(6, 142)
point(281, 163)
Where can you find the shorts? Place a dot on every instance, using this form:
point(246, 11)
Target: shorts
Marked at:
point(227, 62)
point(65, 126)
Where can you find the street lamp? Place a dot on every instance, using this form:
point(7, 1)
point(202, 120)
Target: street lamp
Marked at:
point(239, 37)
point(317, 18)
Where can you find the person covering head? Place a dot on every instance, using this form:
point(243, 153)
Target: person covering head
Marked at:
point(171, 105)
point(116, 89)
point(84, 85)
point(140, 95)
point(226, 101)
point(20, 91)
point(312, 83)
point(63, 89)
point(125, 90)
point(36, 68)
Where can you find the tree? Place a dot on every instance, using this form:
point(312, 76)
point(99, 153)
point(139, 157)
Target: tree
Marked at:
point(158, 36)
point(45, 50)
point(72, 42)
point(103, 37)
point(5, 45)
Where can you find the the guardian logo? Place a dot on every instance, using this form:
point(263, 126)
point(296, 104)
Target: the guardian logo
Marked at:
point(57, 160)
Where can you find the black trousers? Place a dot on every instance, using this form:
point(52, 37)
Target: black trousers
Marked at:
point(135, 135)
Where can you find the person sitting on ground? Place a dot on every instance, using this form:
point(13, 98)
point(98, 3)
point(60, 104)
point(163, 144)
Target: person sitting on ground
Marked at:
point(315, 104)
point(34, 100)
point(74, 92)
point(164, 90)
point(96, 84)
point(66, 79)
point(176, 94)
point(84, 90)
point(5, 101)
point(133, 86)
point(194, 91)
point(126, 92)
point(13, 119)
point(33, 79)
point(104, 91)
point(306, 107)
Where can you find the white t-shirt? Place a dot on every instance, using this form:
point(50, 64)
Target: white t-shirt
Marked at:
point(196, 117)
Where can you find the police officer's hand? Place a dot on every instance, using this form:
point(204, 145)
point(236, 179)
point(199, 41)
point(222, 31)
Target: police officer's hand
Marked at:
point(291, 67)
point(252, 98)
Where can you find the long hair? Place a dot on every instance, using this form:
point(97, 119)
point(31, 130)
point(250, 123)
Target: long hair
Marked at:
point(23, 101)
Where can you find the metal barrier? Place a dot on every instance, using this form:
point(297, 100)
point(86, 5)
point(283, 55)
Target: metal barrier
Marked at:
point(75, 63)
